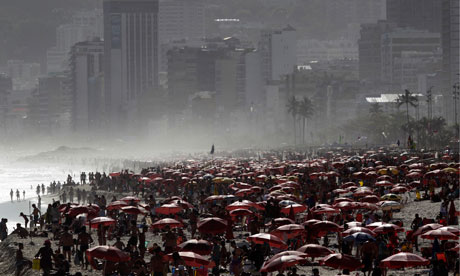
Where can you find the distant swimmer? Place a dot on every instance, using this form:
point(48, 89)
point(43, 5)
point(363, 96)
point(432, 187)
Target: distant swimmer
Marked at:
point(11, 195)
point(18, 195)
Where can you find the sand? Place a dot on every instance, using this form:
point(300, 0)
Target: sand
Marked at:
point(8, 247)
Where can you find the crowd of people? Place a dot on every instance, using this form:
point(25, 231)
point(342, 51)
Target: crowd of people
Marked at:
point(226, 216)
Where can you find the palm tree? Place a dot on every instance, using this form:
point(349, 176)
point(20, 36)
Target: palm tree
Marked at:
point(306, 110)
point(293, 109)
point(375, 109)
point(408, 99)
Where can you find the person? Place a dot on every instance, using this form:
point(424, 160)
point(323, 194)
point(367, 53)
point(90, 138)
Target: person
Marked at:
point(35, 213)
point(66, 241)
point(62, 266)
point(21, 262)
point(3, 229)
point(315, 272)
point(157, 264)
point(178, 265)
point(84, 240)
point(26, 220)
point(416, 223)
point(18, 195)
point(24, 195)
point(46, 254)
point(20, 231)
point(119, 244)
point(11, 195)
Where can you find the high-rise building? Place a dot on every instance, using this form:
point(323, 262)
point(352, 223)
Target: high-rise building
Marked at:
point(369, 50)
point(191, 70)
point(181, 20)
point(50, 109)
point(278, 50)
point(87, 67)
point(417, 14)
point(398, 41)
point(131, 55)
point(450, 51)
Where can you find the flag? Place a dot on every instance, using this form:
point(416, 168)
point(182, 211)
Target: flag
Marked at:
point(212, 149)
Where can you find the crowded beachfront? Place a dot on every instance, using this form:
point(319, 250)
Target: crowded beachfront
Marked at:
point(337, 212)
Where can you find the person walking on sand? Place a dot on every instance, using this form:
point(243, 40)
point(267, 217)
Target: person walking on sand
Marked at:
point(46, 260)
point(11, 195)
point(26, 220)
point(18, 195)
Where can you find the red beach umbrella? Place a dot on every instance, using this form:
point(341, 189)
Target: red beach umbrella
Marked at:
point(212, 225)
point(116, 205)
point(358, 229)
point(272, 240)
point(440, 234)
point(404, 259)
point(162, 223)
point(168, 209)
point(192, 259)
point(315, 250)
point(281, 263)
point(427, 227)
point(296, 208)
point(341, 261)
point(241, 213)
point(108, 253)
point(133, 210)
point(105, 221)
point(201, 247)
point(128, 199)
point(387, 228)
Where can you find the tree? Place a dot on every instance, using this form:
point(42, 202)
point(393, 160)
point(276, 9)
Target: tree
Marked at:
point(375, 109)
point(293, 109)
point(407, 99)
point(306, 110)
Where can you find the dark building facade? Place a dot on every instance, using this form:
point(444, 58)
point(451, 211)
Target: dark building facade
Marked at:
point(131, 56)
point(417, 14)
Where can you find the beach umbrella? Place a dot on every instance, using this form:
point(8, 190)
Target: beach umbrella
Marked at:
point(384, 183)
point(241, 213)
point(399, 189)
point(75, 211)
point(239, 205)
point(280, 221)
point(326, 210)
point(387, 228)
point(321, 228)
point(295, 208)
point(439, 234)
point(345, 205)
point(359, 237)
point(341, 199)
point(128, 199)
point(404, 259)
point(244, 192)
point(456, 248)
point(281, 263)
point(108, 253)
point(368, 206)
point(374, 225)
point(391, 197)
point(284, 203)
point(427, 227)
point(116, 205)
point(452, 229)
point(182, 203)
point(168, 209)
point(389, 205)
point(191, 259)
point(212, 225)
point(358, 229)
point(133, 210)
point(270, 239)
point(341, 261)
point(315, 250)
point(162, 223)
point(201, 247)
point(352, 224)
point(104, 221)
point(292, 230)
